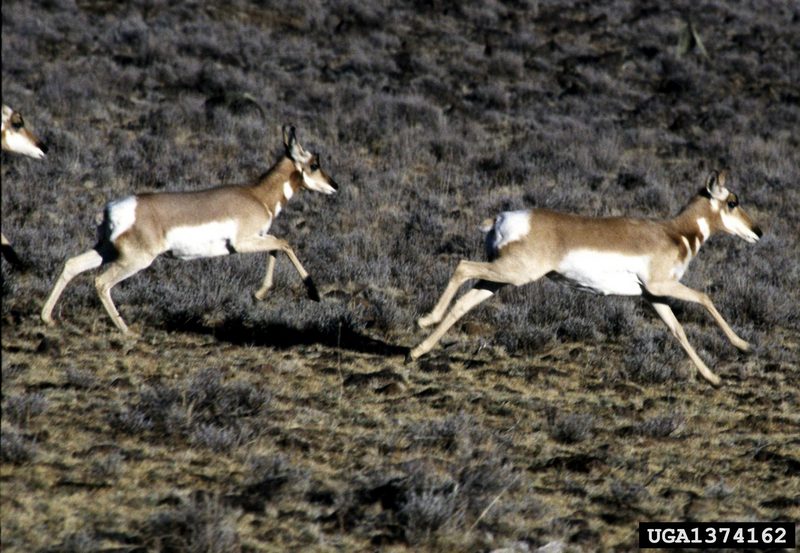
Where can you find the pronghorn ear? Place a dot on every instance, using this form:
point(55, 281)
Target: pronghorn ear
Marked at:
point(289, 139)
point(7, 111)
point(715, 184)
point(293, 148)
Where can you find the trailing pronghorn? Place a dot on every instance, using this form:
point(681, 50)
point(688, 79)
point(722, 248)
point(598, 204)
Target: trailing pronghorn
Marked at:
point(134, 230)
point(616, 255)
point(18, 139)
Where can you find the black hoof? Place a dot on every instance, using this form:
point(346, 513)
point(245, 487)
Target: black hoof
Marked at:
point(11, 256)
point(311, 289)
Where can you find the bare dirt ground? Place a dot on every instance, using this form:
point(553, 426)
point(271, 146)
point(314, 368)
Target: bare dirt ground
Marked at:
point(352, 430)
point(547, 420)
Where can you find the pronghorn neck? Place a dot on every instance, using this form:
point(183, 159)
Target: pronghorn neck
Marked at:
point(278, 185)
point(696, 223)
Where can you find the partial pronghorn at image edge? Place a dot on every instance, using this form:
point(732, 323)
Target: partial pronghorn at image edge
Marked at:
point(18, 139)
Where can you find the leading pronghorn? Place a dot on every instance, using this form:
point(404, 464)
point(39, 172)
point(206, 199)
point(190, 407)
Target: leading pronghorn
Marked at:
point(133, 231)
point(20, 140)
point(616, 255)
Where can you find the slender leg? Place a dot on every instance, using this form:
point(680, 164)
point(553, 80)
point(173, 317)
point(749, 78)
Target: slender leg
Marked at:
point(675, 327)
point(466, 302)
point(72, 268)
point(465, 271)
point(261, 293)
point(118, 271)
point(9, 253)
point(679, 291)
point(271, 243)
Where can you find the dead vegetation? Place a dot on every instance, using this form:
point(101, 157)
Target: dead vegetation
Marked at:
point(549, 418)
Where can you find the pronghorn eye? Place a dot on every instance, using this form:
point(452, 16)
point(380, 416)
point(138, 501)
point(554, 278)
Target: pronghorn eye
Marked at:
point(732, 204)
point(17, 123)
point(314, 166)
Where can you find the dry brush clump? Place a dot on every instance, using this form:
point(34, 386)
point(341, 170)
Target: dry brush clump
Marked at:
point(201, 410)
point(198, 524)
point(457, 482)
point(569, 428)
point(18, 444)
point(432, 116)
point(16, 447)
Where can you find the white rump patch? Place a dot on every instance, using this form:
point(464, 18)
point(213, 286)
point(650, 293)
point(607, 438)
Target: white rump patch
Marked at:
point(206, 240)
point(287, 190)
point(21, 144)
point(605, 272)
point(510, 226)
point(121, 215)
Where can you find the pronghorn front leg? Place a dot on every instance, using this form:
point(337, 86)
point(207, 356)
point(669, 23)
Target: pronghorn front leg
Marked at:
point(466, 302)
point(271, 243)
point(675, 327)
point(465, 271)
point(677, 290)
point(72, 268)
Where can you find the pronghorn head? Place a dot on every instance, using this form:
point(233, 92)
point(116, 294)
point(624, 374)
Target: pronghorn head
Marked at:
point(314, 178)
point(18, 139)
point(724, 203)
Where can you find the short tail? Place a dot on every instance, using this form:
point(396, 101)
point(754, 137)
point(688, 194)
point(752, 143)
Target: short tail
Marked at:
point(105, 247)
point(489, 227)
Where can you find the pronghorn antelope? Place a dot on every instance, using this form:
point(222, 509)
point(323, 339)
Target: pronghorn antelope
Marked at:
point(134, 230)
point(617, 255)
point(18, 139)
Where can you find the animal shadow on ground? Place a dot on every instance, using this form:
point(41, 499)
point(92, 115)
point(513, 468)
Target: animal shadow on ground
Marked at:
point(285, 337)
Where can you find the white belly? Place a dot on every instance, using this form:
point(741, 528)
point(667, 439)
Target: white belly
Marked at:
point(206, 240)
point(605, 272)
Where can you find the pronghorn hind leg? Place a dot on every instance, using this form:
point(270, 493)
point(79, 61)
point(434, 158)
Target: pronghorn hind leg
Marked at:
point(72, 268)
point(270, 243)
point(118, 271)
point(266, 285)
point(466, 302)
point(675, 327)
point(465, 271)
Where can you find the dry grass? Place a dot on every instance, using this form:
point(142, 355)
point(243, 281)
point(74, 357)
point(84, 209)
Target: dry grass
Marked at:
point(547, 417)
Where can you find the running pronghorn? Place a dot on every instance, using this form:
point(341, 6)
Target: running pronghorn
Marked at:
point(617, 255)
point(18, 139)
point(135, 230)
